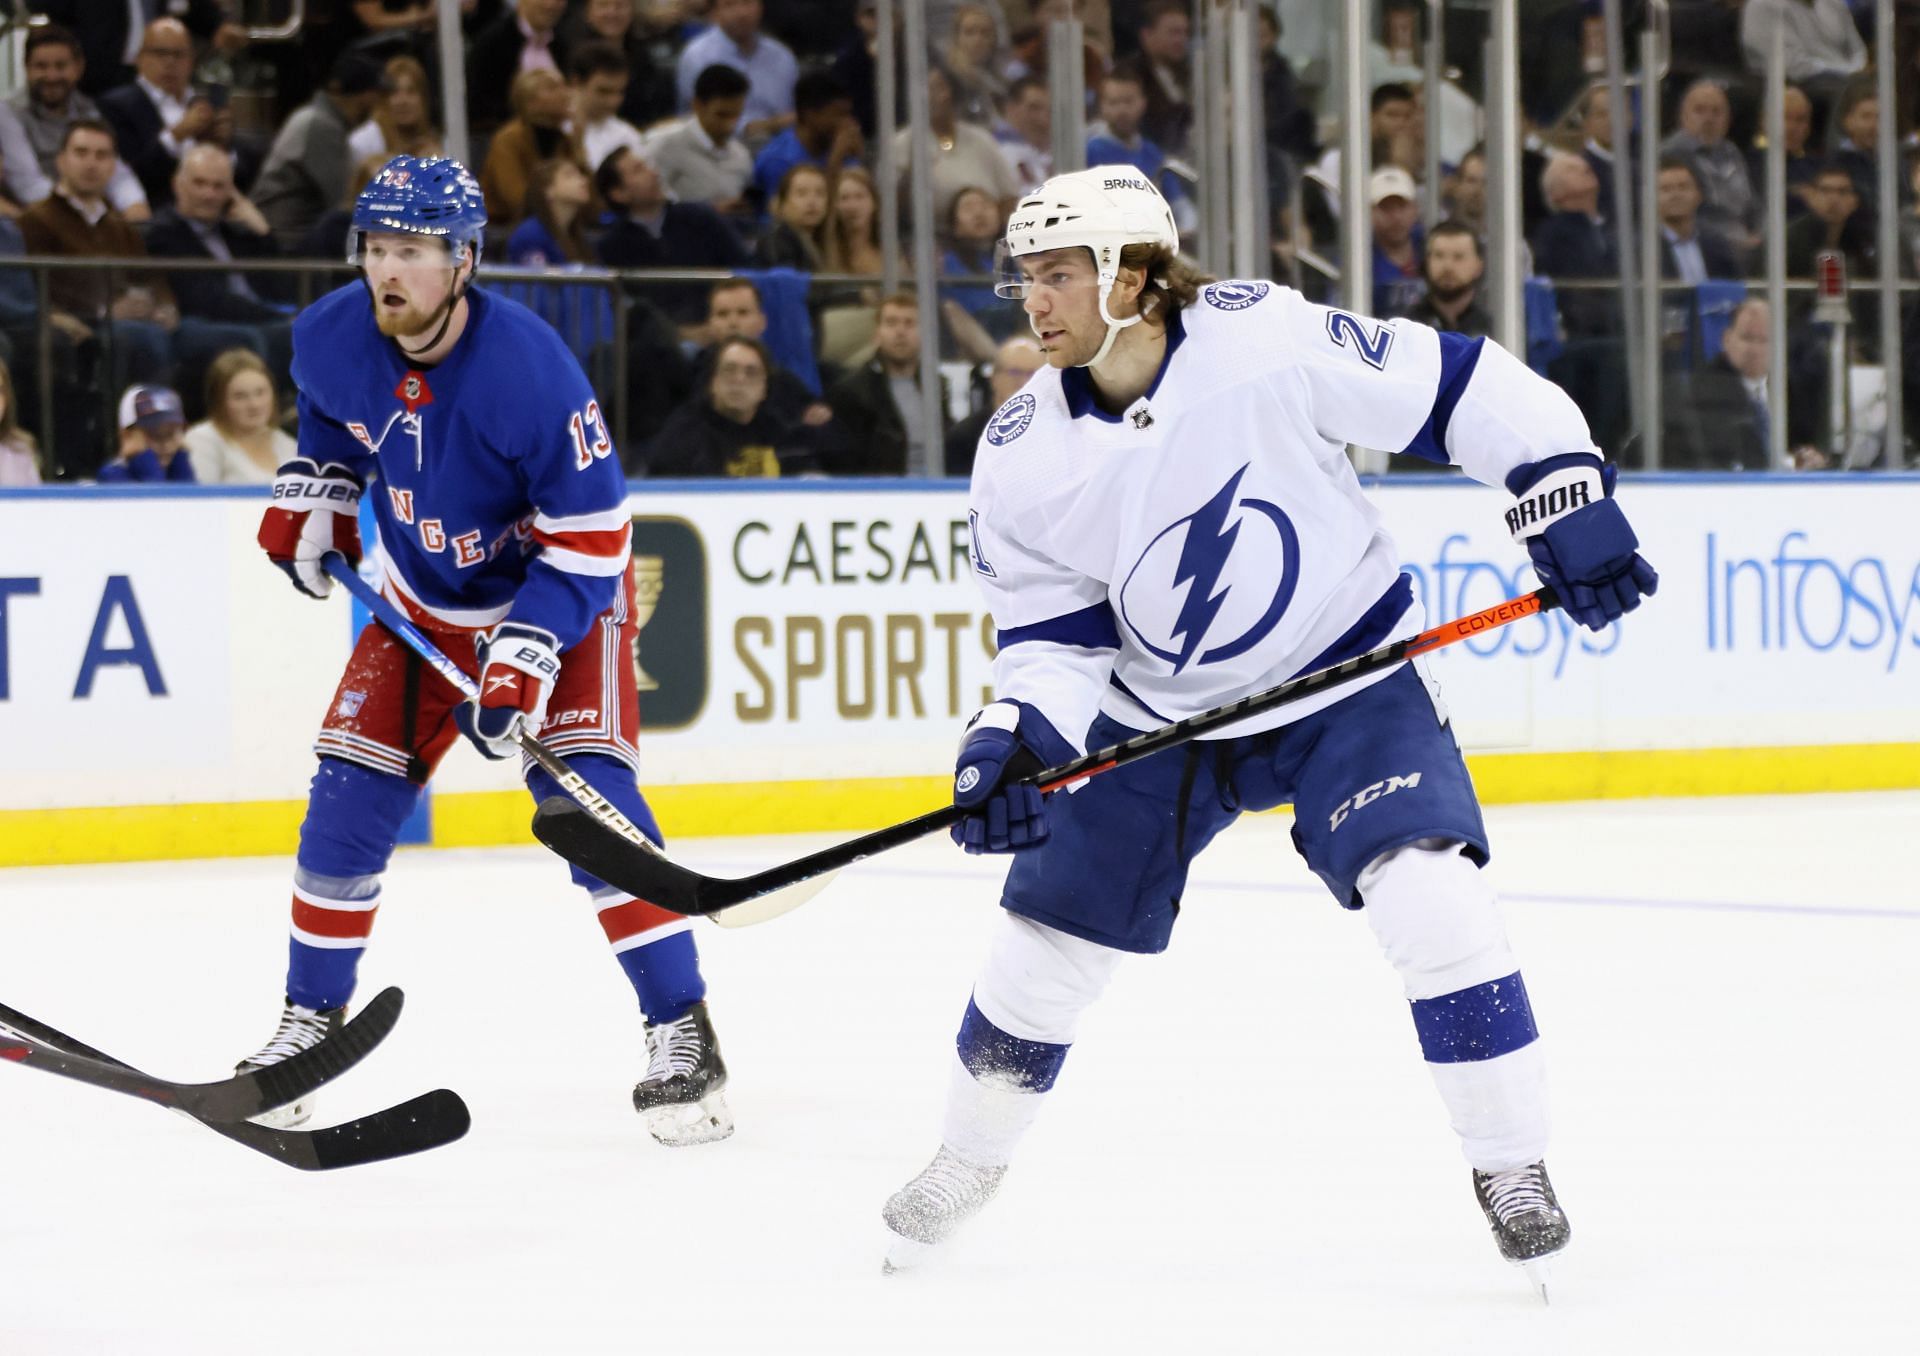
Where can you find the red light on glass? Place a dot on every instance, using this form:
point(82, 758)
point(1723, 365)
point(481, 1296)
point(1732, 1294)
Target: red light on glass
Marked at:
point(1830, 271)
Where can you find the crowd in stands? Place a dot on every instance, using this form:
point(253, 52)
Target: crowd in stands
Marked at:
point(737, 137)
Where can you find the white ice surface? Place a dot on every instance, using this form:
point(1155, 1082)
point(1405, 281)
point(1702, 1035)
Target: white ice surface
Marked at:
point(1244, 1154)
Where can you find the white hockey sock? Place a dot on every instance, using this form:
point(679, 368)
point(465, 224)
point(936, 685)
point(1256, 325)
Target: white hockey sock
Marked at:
point(1025, 1012)
point(986, 1119)
point(1439, 924)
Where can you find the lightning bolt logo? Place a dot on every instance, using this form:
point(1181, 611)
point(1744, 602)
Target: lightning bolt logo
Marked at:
point(1202, 556)
point(1207, 538)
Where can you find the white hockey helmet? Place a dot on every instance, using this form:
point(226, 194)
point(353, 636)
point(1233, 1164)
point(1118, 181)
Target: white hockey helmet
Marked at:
point(1103, 210)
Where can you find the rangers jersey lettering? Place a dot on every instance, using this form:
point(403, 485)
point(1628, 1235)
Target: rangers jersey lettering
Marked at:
point(500, 497)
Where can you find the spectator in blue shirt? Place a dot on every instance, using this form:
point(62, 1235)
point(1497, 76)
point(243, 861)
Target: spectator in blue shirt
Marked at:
point(153, 427)
point(1117, 141)
point(1399, 245)
point(736, 40)
point(823, 134)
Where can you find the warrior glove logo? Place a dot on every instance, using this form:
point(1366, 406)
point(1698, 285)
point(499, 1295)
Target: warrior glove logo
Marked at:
point(1011, 420)
point(1174, 600)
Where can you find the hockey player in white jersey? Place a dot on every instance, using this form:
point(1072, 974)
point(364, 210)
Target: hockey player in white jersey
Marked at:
point(1164, 520)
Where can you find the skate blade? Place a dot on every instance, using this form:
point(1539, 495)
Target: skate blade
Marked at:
point(285, 1117)
point(904, 1254)
point(1539, 1271)
point(704, 1122)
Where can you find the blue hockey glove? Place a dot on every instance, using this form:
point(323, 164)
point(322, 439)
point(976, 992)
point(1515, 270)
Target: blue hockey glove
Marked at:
point(518, 667)
point(1581, 544)
point(1003, 743)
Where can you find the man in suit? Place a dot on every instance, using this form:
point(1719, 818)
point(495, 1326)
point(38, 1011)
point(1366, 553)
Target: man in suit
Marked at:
point(1720, 420)
point(1690, 250)
point(1576, 242)
point(208, 219)
point(160, 116)
point(110, 37)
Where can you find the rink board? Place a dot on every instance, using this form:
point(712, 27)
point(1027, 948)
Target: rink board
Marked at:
point(810, 650)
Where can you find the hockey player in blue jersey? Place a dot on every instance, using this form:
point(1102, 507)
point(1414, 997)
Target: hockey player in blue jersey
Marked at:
point(504, 534)
point(1164, 520)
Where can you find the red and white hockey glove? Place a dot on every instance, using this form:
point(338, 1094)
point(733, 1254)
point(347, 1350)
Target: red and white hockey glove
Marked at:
point(518, 666)
point(316, 509)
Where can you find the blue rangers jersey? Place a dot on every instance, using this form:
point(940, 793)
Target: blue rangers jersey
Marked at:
point(1212, 539)
point(497, 493)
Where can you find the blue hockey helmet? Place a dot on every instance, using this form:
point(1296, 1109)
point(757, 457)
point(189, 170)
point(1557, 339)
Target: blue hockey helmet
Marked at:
point(412, 195)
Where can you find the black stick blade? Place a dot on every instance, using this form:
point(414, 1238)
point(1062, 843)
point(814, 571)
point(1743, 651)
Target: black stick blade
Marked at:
point(295, 1077)
point(425, 1122)
point(576, 835)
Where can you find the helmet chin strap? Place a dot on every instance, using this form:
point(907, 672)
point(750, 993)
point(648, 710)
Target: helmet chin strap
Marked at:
point(445, 310)
point(1107, 279)
point(454, 294)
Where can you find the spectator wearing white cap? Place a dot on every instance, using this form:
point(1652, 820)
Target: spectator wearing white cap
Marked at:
point(1399, 281)
point(153, 426)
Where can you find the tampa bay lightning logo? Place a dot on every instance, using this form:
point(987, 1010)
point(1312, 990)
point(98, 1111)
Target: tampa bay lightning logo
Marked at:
point(1172, 600)
point(1234, 296)
point(1010, 420)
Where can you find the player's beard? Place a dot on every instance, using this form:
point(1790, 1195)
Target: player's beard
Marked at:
point(405, 322)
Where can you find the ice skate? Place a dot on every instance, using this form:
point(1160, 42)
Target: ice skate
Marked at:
point(681, 1098)
point(1527, 1221)
point(924, 1213)
point(300, 1029)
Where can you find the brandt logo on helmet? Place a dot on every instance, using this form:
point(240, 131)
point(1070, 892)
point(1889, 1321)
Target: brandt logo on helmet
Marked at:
point(1234, 296)
point(1126, 183)
point(1011, 421)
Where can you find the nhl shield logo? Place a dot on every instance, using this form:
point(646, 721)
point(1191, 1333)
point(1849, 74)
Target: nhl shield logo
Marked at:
point(1011, 420)
point(414, 392)
point(1234, 296)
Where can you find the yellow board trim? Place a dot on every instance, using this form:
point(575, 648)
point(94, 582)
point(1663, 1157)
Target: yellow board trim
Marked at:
point(133, 833)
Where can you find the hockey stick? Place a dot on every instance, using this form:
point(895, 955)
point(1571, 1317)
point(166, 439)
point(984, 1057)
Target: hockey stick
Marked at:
point(420, 1123)
point(653, 877)
point(603, 811)
point(231, 1099)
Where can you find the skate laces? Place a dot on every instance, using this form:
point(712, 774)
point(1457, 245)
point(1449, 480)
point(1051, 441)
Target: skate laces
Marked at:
point(1518, 1191)
point(951, 1182)
point(300, 1029)
point(674, 1049)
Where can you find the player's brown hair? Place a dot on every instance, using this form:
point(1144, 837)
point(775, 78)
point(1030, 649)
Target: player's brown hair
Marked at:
point(1179, 282)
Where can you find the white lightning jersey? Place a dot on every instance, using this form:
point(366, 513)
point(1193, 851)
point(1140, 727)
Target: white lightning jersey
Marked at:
point(1212, 539)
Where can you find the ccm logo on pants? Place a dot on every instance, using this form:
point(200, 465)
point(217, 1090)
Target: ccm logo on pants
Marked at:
point(1366, 795)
